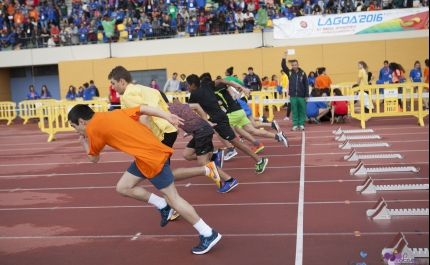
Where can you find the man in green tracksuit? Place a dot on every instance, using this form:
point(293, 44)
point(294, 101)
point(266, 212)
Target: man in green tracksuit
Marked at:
point(298, 92)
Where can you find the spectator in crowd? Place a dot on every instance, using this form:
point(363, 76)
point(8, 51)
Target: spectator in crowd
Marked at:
point(298, 92)
point(154, 85)
point(385, 74)
point(114, 98)
point(96, 90)
point(426, 80)
point(362, 74)
point(81, 92)
point(252, 81)
point(323, 81)
point(183, 85)
point(416, 74)
point(172, 85)
point(312, 79)
point(339, 109)
point(32, 94)
point(315, 110)
point(71, 94)
point(89, 92)
point(45, 94)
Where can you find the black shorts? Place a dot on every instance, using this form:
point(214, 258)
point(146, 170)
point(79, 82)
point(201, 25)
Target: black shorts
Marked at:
point(115, 105)
point(170, 139)
point(202, 145)
point(224, 130)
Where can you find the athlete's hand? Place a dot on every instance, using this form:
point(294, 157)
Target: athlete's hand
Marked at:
point(175, 120)
point(286, 53)
point(212, 124)
point(246, 91)
point(83, 140)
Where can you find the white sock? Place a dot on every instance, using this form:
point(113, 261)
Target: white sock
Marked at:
point(260, 119)
point(158, 202)
point(208, 171)
point(203, 228)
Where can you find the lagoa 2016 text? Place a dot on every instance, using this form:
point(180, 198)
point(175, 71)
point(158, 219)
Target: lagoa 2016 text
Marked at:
point(350, 20)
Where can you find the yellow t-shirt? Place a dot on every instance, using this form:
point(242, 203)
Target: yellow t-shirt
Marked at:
point(284, 81)
point(137, 95)
point(363, 75)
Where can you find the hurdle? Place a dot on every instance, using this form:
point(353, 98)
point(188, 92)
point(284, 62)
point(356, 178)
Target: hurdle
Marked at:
point(368, 187)
point(381, 212)
point(344, 137)
point(340, 131)
point(400, 246)
point(347, 145)
point(360, 169)
point(353, 156)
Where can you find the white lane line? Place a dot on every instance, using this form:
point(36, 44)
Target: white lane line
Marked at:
point(341, 153)
point(136, 236)
point(207, 184)
point(225, 169)
point(301, 206)
point(206, 205)
point(193, 235)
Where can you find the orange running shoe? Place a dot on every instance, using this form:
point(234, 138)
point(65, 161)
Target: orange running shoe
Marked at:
point(214, 174)
point(258, 149)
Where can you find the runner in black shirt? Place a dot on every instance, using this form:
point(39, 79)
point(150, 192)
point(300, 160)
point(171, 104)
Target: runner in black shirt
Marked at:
point(205, 96)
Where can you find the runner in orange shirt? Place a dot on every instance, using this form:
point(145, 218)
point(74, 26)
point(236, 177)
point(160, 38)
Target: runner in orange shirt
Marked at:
point(426, 80)
point(121, 130)
point(323, 81)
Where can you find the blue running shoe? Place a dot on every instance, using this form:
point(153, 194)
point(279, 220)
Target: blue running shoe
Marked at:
point(228, 186)
point(206, 243)
point(166, 214)
point(219, 160)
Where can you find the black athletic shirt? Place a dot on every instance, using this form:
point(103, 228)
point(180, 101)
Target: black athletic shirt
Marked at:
point(205, 96)
point(225, 101)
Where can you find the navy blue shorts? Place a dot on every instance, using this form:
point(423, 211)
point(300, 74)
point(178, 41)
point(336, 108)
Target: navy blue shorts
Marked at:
point(161, 181)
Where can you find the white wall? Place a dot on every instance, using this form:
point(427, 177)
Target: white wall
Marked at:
point(179, 45)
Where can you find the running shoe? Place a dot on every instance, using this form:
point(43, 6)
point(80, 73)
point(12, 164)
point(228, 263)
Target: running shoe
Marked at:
point(206, 243)
point(240, 139)
point(317, 121)
point(213, 173)
point(286, 119)
point(228, 186)
point(302, 128)
point(264, 119)
point(175, 215)
point(219, 159)
point(259, 168)
point(166, 214)
point(282, 138)
point(275, 126)
point(258, 149)
point(230, 155)
point(186, 135)
point(295, 128)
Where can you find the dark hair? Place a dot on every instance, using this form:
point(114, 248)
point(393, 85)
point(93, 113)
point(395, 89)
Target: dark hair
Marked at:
point(273, 77)
point(47, 90)
point(356, 85)
point(120, 72)
point(250, 68)
point(193, 80)
point(205, 78)
point(80, 111)
point(91, 82)
point(175, 73)
point(315, 93)
point(364, 65)
point(218, 77)
point(86, 85)
point(31, 86)
point(265, 78)
point(417, 62)
point(337, 91)
point(164, 97)
point(230, 71)
point(395, 66)
point(321, 70)
point(311, 73)
point(294, 61)
point(386, 62)
point(427, 62)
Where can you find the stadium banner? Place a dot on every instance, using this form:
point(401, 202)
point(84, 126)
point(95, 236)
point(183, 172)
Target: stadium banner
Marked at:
point(352, 23)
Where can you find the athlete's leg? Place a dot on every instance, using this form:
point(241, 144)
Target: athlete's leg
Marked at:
point(244, 134)
point(127, 187)
point(246, 149)
point(255, 132)
point(322, 113)
point(203, 160)
point(189, 154)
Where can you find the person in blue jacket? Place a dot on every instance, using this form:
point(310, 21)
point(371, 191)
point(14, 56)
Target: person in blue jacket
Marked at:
point(32, 94)
point(385, 74)
point(45, 94)
point(316, 110)
point(416, 74)
point(71, 95)
point(89, 92)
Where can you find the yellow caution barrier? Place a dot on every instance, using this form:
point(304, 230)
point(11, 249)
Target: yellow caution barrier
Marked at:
point(53, 116)
point(258, 102)
point(28, 108)
point(344, 87)
point(8, 111)
point(392, 103)
point(182, 96)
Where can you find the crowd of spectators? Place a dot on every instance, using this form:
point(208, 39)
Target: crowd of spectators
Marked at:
point(36, 23)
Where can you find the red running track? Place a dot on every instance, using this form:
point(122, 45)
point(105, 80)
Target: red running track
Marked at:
point(58, 208)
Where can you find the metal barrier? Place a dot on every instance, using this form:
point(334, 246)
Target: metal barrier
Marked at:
point(182, 96)
point(8, 111)
point(28, 109)
point(53, 116)
point(395, 102)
